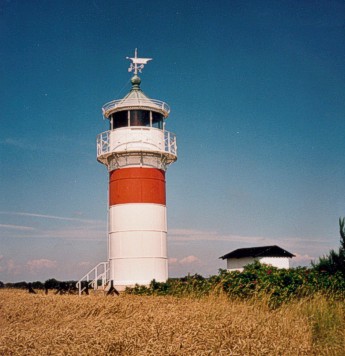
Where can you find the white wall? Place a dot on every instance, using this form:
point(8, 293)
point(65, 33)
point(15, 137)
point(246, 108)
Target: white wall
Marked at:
point(137, 244)
point(237, 264)
point(137, 138)
point(279, 262)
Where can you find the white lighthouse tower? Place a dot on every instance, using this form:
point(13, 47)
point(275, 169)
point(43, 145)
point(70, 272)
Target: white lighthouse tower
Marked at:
point(137, 151)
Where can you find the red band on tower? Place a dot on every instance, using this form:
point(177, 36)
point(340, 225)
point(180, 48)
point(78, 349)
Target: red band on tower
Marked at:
point(137, 185)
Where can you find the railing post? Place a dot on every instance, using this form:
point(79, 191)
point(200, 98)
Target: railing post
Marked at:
point(96, 275)
point(95, 279)
point(169, 148)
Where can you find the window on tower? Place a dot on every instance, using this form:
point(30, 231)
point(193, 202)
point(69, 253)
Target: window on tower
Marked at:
point(119, 119)
point(136, 118)
point(157, 120)
point(140, 118)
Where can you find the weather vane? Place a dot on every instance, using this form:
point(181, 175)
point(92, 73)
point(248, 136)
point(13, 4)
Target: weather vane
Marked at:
point(137, 63)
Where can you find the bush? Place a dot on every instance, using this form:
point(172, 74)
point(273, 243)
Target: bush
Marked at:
point(37, 285)
point(335, 261)
point(274, 285)
point(51, 284)
point(17, 285)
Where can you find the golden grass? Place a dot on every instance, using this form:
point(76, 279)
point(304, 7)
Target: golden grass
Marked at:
point(137, 325)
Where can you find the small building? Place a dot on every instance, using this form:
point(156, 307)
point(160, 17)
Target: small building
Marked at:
point(270, 255)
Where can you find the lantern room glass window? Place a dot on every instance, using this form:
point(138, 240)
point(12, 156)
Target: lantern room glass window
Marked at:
point(119, 119)
point(139, 118)
point(157, 120)
point(134, 118)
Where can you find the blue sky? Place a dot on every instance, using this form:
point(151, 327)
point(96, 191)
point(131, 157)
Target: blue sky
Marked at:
point(257, 96)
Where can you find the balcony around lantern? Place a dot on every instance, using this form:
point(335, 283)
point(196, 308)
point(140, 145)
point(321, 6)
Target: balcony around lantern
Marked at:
point(136, 139)
point(132, 103)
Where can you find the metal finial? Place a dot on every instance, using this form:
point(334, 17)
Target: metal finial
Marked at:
point(137, 63)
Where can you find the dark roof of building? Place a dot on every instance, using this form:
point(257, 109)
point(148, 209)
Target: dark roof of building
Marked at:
point(263, 251)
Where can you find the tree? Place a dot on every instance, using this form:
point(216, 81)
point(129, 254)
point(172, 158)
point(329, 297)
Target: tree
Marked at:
point(335, 260)
point(37, 285)
point(51, 283)
point(342, 233)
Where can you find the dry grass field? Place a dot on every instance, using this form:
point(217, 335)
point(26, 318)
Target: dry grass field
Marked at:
point(137, 325)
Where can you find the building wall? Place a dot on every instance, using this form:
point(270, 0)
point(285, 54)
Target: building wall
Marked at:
point(237, 264)
point(279, 262)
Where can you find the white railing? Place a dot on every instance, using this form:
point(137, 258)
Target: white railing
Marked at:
point(129, 138)
point(100, 273)
point(170, 145)
point(108, 108)
point(103, 143)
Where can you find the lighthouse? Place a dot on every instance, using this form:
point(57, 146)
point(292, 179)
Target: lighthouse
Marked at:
point(137, 150)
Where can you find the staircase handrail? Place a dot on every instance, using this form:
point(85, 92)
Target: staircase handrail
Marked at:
point(94, 282)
